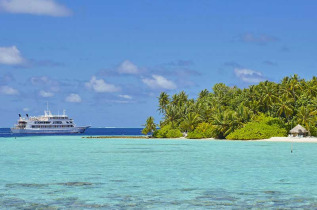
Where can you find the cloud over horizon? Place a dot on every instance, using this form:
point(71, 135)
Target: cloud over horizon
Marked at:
point(248, 75)
point(46, 94)
point(100, 86)
point(159, 82)
point(127, 67)
point(7, 90)
point(11, 56)
point(35, 7)
point(125, 96)
point(73, 98)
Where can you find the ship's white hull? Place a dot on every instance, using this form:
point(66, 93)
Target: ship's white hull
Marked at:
point(50, 131)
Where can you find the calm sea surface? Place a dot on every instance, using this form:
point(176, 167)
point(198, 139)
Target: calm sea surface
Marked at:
point(5, 132)
point(61, 172)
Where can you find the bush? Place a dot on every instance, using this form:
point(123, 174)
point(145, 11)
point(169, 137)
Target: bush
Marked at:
point(313, 131)
point(261, 128)
point(162, 132)
point(174, 133)
point(194, 135)
point(203, 130)
point(167, 132)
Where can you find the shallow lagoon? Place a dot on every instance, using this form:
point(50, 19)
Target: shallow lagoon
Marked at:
point(73, 172)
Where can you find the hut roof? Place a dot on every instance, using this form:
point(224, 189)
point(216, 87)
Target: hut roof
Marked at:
point(298, 129)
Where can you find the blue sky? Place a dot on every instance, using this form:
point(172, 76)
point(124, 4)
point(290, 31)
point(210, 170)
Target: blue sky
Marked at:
point(106, 62)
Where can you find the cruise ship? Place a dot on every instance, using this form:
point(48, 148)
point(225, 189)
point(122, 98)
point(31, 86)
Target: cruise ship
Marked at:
point(47, 124)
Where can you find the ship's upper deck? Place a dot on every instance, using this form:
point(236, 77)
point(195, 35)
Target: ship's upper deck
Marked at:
point(49, 116)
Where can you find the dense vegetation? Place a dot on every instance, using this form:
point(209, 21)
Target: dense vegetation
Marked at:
point(259, 111)
point(261, 128)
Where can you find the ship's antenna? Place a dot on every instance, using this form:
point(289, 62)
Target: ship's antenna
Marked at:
point(47, 105)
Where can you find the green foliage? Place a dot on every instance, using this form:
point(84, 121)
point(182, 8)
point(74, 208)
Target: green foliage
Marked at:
point(190, 122)
point(150, 126)
point(162, 132)
point(194, 135)
point(203, 130)
point(168, 131)
point(313, 130)
point(174, 133)
point(292, 101)
point(262, 128)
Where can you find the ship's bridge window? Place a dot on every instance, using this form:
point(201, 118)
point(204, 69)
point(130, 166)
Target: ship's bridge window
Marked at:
point(57, 122)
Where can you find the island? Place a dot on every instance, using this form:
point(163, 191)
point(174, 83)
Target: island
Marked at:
point(267, 109)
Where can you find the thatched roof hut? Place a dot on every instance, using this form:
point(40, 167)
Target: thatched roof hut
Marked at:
point(298, 130)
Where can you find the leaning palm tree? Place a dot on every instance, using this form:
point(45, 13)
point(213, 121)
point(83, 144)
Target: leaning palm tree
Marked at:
point(150, 126)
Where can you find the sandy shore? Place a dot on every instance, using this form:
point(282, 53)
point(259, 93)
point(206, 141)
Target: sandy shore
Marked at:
point(273, 139)
point(291, 139)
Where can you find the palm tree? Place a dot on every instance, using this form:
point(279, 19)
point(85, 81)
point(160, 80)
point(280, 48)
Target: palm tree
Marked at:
point(150, 126)
point(285, 107)
point(244, 114)
point(225, 122)
point(306, 117)
point(203, 94)
point(163, 102)
point(229, 108)
point(179, 99)
point(190, 122)
point(171, 115)
point(293, 86)
point(269, 95)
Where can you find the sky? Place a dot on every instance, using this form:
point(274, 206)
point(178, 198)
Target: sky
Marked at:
point(106, 62)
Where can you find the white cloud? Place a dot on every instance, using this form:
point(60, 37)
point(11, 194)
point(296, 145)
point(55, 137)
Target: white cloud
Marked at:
point(127, 67)
point(100, 86)
point(73, 98)
point(159, 82)
point(125, 96)
point(46, 94)
point(248, 75)
point(10, 56)
point(34, 7)
point(8, 90)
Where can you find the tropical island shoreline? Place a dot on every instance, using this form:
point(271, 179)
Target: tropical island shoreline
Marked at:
point(262, 111)
point(273, 139)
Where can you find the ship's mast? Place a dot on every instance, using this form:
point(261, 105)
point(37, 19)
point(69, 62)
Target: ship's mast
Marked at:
point(47, 112)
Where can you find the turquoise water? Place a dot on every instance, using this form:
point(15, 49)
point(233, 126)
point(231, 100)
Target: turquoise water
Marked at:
point(72, 172)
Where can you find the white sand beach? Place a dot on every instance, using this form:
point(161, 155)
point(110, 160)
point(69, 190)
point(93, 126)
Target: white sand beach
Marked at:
point(291, 139)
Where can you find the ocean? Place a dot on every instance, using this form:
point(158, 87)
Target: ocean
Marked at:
point(71, 172)
point(5, 132)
